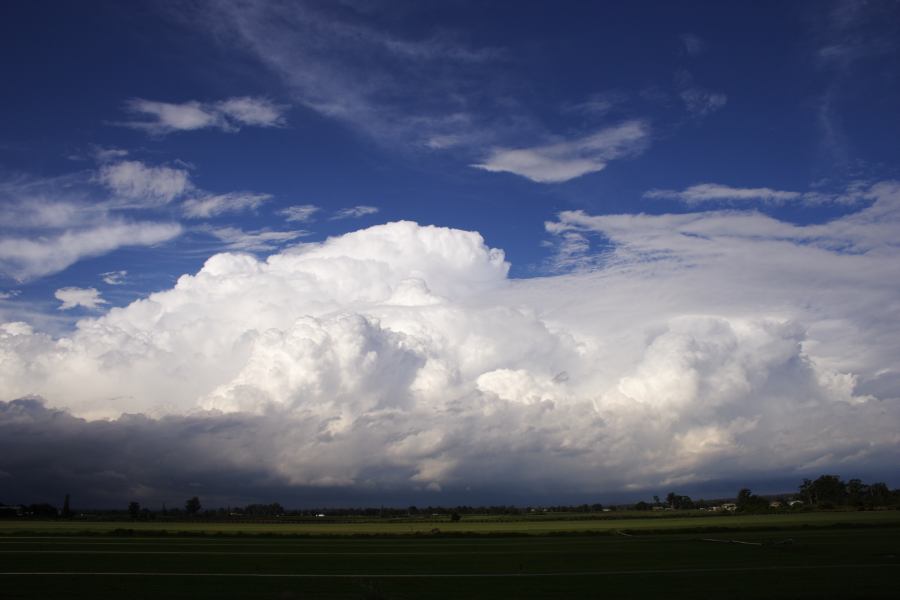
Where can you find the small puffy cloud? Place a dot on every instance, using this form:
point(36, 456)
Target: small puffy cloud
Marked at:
point(73, 297)
point(114, 277)
point(135, 184)
point(562, 161)
point(213, 205)
point(227, 115)
point(698, 101)
point(9, 294)
point(301, 213)
point(692, 44)
point(714, 192)
point(257, 112)
point(701, 102)
point(354, 212)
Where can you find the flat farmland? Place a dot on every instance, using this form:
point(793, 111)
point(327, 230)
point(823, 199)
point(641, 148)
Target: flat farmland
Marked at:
point(840, 558)
point(486, 525)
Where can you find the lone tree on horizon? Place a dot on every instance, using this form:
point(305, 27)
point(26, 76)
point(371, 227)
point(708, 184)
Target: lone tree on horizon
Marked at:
point(192, 506)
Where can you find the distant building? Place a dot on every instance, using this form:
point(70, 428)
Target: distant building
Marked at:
point(10, 511)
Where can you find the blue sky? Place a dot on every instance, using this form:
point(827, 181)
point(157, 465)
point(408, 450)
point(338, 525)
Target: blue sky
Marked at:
point(598, 146)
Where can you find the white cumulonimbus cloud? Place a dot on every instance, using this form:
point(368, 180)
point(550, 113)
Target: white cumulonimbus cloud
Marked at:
point(704, 346)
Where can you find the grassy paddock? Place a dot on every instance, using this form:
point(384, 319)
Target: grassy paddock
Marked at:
point(467, 526)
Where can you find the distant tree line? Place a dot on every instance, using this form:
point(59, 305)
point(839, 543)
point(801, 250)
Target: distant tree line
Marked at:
point(828, 491)
point(825, 492)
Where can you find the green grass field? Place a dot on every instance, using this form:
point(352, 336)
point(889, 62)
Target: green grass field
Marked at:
point(814, 555)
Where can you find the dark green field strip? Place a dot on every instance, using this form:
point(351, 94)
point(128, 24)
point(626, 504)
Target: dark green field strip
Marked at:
point(808, 549)
point(843, 582)
point(490, 575)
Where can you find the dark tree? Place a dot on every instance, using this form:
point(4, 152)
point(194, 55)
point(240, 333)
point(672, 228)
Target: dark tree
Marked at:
point(134, 510)
point(192, 506)
point(680, 502)
point(749, 502)
point(454, 516)
point(879, 494)
point(66, 511)
point(827, 490)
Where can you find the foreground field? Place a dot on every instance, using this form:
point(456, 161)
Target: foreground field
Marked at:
point(467, 525)
point(786, 560)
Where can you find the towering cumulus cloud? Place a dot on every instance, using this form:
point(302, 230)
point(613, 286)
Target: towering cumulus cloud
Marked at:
point(402, 357)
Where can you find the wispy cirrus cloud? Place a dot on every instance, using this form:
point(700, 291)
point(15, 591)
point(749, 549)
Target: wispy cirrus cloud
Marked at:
point(562, 161)
point(260, 240)
point(160, 118)
point(354, 212)
point(137, 185)
point(26, 258)
point(204, 207)
point(703, 193)
point(50, 224)
point(373, 77)
point(301, 213)
point(714, 192)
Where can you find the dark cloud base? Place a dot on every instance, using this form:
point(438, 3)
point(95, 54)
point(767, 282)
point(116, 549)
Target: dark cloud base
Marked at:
point(47, 453)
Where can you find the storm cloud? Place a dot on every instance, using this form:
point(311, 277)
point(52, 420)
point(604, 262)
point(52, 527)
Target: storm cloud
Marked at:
point(401, 359)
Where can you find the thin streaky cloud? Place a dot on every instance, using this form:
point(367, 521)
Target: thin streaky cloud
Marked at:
point(300, 213)
point(354, 212)
point(214, 205)
point(703, 193)
point(260, 240)
point(160, 118)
